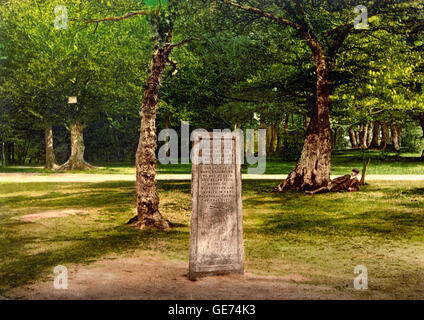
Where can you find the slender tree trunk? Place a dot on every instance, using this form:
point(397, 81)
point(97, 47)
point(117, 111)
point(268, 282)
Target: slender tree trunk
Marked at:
point(3, 153)
point(352, 138)
point(356, 137)
point(261, 147)
point(76, 160)
point(362, 136)
point(278, 148)
point(268, 138)
point(48, 140)
point(364, 172)
point(336, 131)
point(313, 168)
point(384, 134)
point(369, 131)
point(148, 215)
point(286, 130)
point(12, 153)
point(305, 123)
point(375, 135)
point(167, 130)
point(394, 136)
point(399, 130)
point(272, 140)
point(421, 118)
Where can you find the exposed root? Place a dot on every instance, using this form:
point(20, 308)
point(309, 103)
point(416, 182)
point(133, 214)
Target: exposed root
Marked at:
point(72, 165)
point(150, 221)
point(301, 182)
point(53, 167)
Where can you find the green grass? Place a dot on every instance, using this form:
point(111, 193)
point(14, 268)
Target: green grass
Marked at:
point(320, 237)
point(342, 163)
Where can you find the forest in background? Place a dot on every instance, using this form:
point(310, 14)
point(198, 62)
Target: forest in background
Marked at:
point(241, 71)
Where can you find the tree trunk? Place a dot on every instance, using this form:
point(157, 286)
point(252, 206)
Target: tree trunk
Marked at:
point(48, 140)
point(362, 136)
point(278, 148)
point(375, 133)
point(352, 138)
point(76, 160)
point(272, 141)
point(167, 130)
point(399, 133)
point(313, 168)
point(364, 172)
point(355, 132)
point(148, 215)
point(394, 136)
point(268, 138)
point(3, 154)
point(421, 117)
point(384, 133)
point(369, 130)
point(286, 130)
point(305, 123)
point(335, 133)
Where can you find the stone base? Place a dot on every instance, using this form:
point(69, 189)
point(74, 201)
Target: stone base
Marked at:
point(196, 273)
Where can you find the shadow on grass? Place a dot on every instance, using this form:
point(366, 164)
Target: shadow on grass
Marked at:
point(30, 250)
point(375, 212)
point(23, 268)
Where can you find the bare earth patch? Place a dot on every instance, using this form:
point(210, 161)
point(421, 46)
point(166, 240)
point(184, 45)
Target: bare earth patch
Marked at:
point(156, 278)
point(49, 214)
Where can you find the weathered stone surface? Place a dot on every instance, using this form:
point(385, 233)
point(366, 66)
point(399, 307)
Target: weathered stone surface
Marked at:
point(216, 238)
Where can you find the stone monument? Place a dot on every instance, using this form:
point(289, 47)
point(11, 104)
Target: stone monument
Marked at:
point(216, 234)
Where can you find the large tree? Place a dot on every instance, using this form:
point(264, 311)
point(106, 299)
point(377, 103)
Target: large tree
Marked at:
point(46, 65)
point(323, 26)
point(163, 20)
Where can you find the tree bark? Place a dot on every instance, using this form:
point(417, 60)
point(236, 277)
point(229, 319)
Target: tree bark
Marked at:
point(363, 136)
point(394, 136)
point(268, 138)
point(272, 140)
point(48, 140)
point(384, 134)
point(421, 117)
point(148, 215)
point(76, 160)
point(3, 154)
point(167, 130)
point(286, 129)
point(313, 168)
point(375, 135)
point(305, 123)
point(352, 138)
point(369, 131)
point(364, 172)
point(335, 133)
point(278, 148)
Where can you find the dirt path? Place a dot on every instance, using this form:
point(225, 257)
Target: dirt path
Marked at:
point(87, 178)
point(153, 277)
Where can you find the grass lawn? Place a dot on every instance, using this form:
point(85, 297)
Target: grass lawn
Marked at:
point(342, 163)
point(320, 237)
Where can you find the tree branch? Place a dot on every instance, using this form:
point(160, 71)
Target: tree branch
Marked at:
point(114, 19)
point(175, 45)
point(267, 15)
